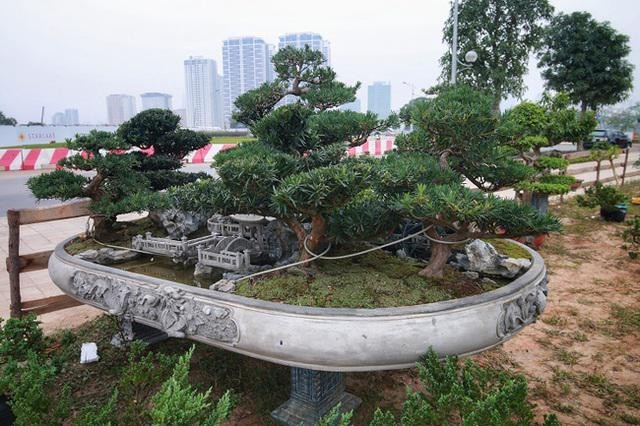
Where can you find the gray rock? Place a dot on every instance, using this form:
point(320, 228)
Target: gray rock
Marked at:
point(489, 281)
point(202, 271)
point(108, 256)
point(232, 276)
point(471, 275)
point(482, 258)
point(176, 222)
point(225, 286)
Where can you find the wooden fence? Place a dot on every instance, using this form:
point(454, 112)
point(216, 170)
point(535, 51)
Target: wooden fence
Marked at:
point(16, 263)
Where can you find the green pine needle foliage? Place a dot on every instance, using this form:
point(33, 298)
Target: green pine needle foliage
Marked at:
point(177, 403)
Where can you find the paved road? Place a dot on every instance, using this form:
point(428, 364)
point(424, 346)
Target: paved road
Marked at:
point(15, 194)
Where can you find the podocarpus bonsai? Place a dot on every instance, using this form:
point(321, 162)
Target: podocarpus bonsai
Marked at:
point(297, 170)
point(459, 129)
point(530, 126)
point(125, 180)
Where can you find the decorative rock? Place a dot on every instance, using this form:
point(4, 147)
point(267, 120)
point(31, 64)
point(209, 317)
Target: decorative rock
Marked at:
point(488, 281)
point(89, 353)
point(176, 222)
point(471, 275)
point(225, 286)
point(108, 256)
point(202, 271)
point(482, 257)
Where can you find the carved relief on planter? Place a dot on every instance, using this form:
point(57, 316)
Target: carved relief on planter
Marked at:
point(522, 311)
point(175, 312)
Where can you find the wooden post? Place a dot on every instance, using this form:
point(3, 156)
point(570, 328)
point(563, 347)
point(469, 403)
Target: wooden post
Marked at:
point(13, 264)
point(624, 166)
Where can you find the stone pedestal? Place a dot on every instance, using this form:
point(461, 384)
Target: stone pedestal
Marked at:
point(313, 394)
point(131, 330)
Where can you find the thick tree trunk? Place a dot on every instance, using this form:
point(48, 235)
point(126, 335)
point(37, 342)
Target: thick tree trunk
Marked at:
point(103, 228)
point(317, 241)
point(297, 228)
point(439, 255)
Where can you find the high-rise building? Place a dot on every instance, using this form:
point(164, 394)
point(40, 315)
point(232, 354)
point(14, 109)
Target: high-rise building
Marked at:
point(246, 65)
point(299, 41)
point(120, 108)
point(182, 113)
point(201, 81)
point(155, 100)
point(313, 40)
point(379, 99)
point(352, 106)
point(71, 117)
point(58, 119)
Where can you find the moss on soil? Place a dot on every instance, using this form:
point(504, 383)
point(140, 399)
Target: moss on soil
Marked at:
point(509, 248)
point(377, 279)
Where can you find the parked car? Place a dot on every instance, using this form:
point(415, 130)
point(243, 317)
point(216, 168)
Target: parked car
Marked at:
point(613, 137)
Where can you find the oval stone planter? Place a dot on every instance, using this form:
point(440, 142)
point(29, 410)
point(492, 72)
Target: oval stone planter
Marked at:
point(326, 339)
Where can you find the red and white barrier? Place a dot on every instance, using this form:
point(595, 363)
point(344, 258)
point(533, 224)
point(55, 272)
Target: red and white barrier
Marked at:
point(48, 158)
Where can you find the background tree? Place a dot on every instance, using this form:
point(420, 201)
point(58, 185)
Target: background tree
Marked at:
point(123, 180)
point(530, 126)
point(7, 121)
point(503, 33)
point(586, 59)
point(624, 119)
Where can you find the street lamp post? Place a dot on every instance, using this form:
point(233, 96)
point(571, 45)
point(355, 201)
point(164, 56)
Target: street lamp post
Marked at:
point(470, 57)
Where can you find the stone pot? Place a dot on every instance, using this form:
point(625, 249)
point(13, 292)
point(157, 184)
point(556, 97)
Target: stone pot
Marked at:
point(308, 338)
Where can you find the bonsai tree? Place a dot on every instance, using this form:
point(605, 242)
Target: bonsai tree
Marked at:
point(603, 151)
point(612, 201)
point(530, 126)
point(124, 179)
point(460, 131)
point(297, 170)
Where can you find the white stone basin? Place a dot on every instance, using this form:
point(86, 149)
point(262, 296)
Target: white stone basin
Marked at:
point(328, 339)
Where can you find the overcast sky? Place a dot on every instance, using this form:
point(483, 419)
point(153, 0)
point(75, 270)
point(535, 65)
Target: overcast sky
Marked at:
point(72, 53)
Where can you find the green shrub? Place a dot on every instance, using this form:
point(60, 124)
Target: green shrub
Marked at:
point(606, 197)
point(464, 394)
point(178, 403)
point(27, 384)
point(18, 336)
point(94, 415)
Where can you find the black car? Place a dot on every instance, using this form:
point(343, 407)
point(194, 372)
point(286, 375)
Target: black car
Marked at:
point(613, 137)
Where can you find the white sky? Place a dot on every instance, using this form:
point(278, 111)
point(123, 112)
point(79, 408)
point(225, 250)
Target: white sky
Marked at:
point(72, 53)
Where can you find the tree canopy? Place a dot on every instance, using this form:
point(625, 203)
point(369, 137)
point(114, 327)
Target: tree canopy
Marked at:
point(7, 121)
point(125, 179)
point(503, 33)
point(586, 59)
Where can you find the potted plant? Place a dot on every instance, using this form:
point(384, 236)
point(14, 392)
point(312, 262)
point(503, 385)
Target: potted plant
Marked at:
point(612, 202)
point(297, 171)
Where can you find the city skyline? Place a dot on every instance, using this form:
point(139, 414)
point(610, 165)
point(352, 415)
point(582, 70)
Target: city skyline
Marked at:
point(379, 98)
point(120, 108)
point(203, 95)
point(373, 43)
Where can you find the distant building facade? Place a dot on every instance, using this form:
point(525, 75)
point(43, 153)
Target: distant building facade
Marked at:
point(246, 65)
point(203, 93)
point(379, 99)
point(352, 106)
point(71, 117)
point(182, 113)
point(58, 119)
point(120, 108)
point(299, 41)
point(155, 100)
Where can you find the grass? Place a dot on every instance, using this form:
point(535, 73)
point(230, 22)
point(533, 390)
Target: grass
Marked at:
point(377, 279)
point(508, 248)
point(217, 140)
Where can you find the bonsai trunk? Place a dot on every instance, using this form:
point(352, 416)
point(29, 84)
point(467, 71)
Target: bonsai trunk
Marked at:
point(297, 228)
point(439, 255)
point(317, 241)
point(102, 228)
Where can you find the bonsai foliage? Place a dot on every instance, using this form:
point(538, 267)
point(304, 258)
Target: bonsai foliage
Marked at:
point(587, 59)
point(464, 394)
point(124, 179)
point(504, 34)
point(605, 197)
point(459, 129)
point(530, 126)
point(297, 169)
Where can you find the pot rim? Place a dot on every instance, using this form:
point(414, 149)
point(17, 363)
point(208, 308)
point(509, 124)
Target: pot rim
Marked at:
point(535, 273)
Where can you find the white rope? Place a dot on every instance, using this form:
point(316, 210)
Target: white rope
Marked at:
point(346, 256)
point(122, 248)
point(435, 240)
